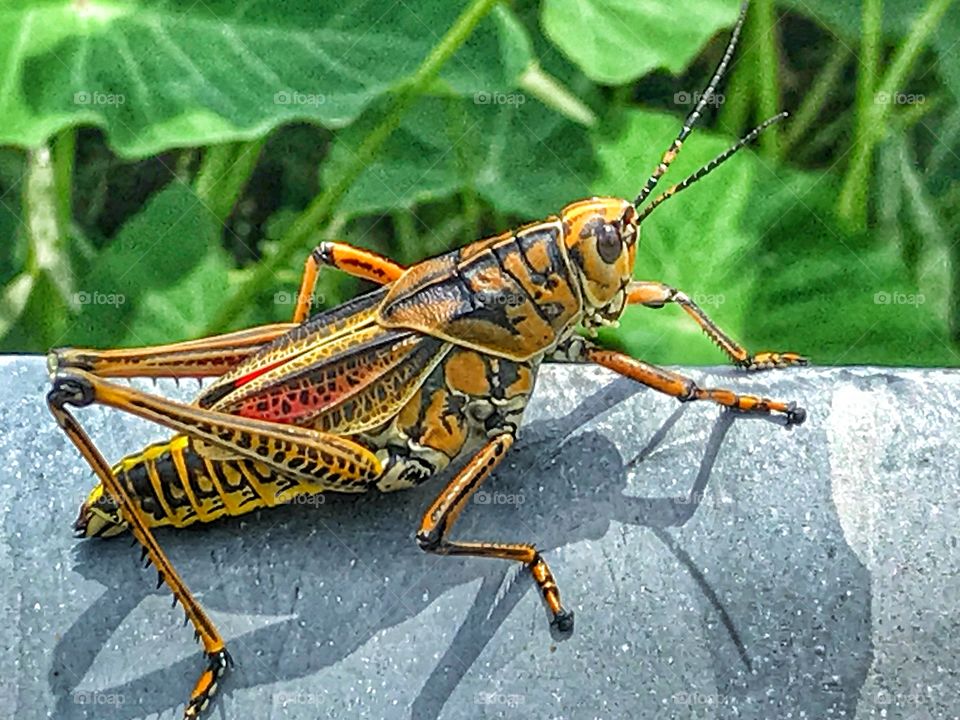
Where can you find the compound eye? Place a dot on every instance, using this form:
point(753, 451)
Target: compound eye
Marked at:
point(609, 244)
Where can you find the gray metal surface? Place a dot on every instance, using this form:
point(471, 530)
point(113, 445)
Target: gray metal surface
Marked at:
point(719, 567)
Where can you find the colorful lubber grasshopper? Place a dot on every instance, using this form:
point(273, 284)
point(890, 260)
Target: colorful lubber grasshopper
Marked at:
point(433, 368)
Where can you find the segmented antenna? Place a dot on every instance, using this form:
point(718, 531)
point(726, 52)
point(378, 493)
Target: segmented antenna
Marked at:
point(710, 166)
point(694, 115)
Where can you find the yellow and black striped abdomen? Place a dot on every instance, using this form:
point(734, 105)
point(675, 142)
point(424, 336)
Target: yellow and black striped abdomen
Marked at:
point(174, 485)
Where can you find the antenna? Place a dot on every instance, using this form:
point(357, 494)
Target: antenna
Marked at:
point(695, 114)
point(711, 166)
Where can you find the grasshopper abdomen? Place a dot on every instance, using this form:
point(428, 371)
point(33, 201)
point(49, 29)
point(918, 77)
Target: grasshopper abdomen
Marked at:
point(174, 485)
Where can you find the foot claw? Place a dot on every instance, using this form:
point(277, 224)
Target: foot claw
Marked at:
point(562, 624)
point(217, 664)
point(772, 361)
point(795, 414)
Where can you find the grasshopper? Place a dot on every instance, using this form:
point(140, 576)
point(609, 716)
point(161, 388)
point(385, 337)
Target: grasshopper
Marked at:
point(431, 369)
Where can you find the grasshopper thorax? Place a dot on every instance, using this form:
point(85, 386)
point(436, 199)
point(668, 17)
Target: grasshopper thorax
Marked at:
point(600, 235)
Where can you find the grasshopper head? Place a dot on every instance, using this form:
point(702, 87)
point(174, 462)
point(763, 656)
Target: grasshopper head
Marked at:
point(601, 239)
point(601, 233)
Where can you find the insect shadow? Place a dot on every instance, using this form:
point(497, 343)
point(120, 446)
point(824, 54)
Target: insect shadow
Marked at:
point(346, 569)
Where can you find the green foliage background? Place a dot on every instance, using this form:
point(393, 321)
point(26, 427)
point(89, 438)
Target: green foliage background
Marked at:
point(166, 167)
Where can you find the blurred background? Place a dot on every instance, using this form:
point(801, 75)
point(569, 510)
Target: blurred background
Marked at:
point(164, 171)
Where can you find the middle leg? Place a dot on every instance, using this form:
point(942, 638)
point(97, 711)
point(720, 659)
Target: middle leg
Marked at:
point(671, 383)
point(364, 264)
point(440, 518)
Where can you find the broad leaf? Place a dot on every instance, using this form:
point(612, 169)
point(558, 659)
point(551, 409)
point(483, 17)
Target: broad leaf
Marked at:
point(521, 157)
point(158, 280)
point(616, 41)
point(188, 73)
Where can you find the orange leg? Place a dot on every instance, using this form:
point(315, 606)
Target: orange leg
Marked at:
point(290, 450)
point(364, 264)
point(679, 386)
point(286, 449)
point(217, 657)
point(440, 518)
point(213, 356)
point(656, 295)
point(206, 357)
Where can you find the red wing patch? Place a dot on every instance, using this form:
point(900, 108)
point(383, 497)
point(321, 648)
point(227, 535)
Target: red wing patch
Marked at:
point(318, 332)
point(303, 387)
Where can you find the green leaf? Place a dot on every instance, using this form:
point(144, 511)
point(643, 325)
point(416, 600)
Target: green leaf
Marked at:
point(33, 314)
point(616, 41)
point(899, 16)
point(12, 232)
point(492, 58)
point(183, 73)
point(845, 17)
point(515, 153)
point(159, 279)
point(945, 43)
point(849, 296)
point(759, 248)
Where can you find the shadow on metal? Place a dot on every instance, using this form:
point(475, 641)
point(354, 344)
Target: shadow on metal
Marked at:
point(348, 568)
